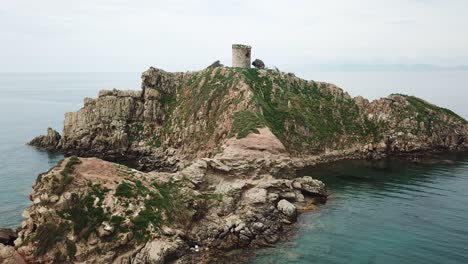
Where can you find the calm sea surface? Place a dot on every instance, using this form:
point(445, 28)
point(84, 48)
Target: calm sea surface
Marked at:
point(380, 212)
point(383, 212)
point(29, 103)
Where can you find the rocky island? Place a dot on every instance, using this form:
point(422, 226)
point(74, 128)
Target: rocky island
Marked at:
point(196, 164)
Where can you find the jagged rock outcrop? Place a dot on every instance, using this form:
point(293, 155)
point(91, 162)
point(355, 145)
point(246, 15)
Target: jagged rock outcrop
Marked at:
point(215, 64)
point(50, 141)
point(93, 211)
point(179, 117)
point(407, 123)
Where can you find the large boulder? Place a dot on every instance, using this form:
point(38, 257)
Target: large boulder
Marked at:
point(310, 186)
point(258, 64)
point(287, 208)
point(160, 251)
point(256, 196)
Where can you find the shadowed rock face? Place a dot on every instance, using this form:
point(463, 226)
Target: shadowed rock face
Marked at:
point(7, 236)
point(178, 117)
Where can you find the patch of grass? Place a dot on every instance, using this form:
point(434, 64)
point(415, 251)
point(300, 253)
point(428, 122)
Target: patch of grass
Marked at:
point(117, 220)
point(124, 190)
point(142, 221)
point(423, 108)
point(118, 223)
point(69, 167)
point(85, 215)
point(71, 248)
point(213, 197)
point(155, 142)
point(167, 99)
point(203, 95)
point(164, 207)
point(135, 130)
point(48, 235)
point(306, 116)
point(141, 188)
point(246, 122)
point(66, 177)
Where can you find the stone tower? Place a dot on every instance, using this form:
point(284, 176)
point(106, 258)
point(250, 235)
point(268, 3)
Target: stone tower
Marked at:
point(241, 55)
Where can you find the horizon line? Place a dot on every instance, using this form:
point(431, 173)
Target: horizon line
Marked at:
point(314, 67)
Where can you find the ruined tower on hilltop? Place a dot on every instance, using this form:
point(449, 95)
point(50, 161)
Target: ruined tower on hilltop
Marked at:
point(241, 55)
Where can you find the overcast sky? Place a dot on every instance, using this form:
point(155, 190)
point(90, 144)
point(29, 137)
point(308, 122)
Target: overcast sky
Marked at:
point(124, 35)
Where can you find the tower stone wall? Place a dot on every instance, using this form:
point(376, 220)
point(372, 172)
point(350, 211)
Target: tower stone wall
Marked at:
point(241, 55)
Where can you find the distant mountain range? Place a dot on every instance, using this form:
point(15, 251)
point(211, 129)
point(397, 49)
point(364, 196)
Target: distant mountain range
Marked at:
point(385, 67)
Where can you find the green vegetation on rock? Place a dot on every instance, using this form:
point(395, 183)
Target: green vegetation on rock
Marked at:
point(85, 213)
point(124, 190)
point(163, 207)
point(203, 96)
point(48, 235)
point(306, 115)
point(418, 117)
point(246, 122)
point(71, 248)
point(155, 142)
point(423, 108)
point(66, 177)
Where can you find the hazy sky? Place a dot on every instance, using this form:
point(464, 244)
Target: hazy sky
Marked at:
point(124, 35)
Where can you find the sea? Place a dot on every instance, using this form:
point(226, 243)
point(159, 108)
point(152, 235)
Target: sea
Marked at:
point(390, 211)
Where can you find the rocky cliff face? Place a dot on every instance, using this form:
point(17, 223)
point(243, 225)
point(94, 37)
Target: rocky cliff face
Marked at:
point(222, 145)
point(93, 211)
point(178, 117)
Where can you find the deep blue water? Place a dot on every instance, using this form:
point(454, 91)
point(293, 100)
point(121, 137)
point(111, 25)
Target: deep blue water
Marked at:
point(383, 212)
point(29, 103)
point(378, 213)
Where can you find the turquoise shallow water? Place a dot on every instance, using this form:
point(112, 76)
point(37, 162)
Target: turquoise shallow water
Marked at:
point(383, 212)
point(29, 103)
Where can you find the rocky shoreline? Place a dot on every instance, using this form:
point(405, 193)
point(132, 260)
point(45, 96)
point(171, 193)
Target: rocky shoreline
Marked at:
point(222, 232)
point(215, 156)
point(196, 217)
